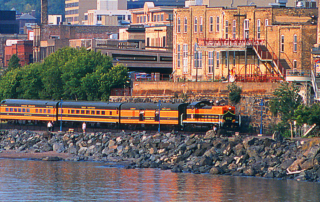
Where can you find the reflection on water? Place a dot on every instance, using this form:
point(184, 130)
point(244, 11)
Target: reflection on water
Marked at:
point(88, 181)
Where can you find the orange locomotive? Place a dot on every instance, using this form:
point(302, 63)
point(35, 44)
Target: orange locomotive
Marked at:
point(177, 115)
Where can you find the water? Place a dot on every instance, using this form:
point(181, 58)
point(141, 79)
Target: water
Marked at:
point(26, 180)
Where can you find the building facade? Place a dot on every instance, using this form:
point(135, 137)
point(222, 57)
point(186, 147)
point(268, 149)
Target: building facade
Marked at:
point(107, 17)
point(244, 43)
point(21, 48)
point(75, 10)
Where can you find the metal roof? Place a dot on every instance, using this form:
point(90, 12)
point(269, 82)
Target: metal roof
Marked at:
point(151, 106)
point(99, 105)
point(29, 102)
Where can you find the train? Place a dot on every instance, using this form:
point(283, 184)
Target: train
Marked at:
point(120, 114)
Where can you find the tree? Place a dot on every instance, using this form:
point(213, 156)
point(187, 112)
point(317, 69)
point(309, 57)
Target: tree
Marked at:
point(234, 93)
point(13, 63)
point(285, 102)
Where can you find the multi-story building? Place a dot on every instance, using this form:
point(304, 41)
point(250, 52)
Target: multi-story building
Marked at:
point(152, 15)
point(242, 43)
point(107, 17)
point(8, 22)
point(75, 10)
point(21, 48)
point(111, 4)
point(132, 4)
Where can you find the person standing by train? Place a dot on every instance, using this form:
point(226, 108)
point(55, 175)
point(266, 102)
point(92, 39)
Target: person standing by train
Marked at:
point(84, 126)
point(50, 126)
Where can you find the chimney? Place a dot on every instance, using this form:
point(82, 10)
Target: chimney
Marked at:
point(44, 12)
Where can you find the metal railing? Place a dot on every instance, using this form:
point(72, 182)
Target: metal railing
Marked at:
point(231, 42)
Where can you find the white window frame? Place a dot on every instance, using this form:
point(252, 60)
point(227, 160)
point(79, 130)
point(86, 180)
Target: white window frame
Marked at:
point(201, 24)
point(218, 24)
point(211, 24)
point(178, 26)
point(178, 56)
point(246, 29)
point(226, 29)
point(195, 24)
point(210, 61)
point(185, 23)
point(258, 29)
point(266, 22)
point(234, 29)
point(185, 58)
point(217, 60)
point(295, 43)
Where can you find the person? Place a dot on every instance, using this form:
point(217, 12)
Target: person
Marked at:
point(84, 126)
point(215, 129)
point(49, 126)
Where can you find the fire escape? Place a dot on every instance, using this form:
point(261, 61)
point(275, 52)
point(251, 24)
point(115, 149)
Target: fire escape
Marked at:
point(276, 68)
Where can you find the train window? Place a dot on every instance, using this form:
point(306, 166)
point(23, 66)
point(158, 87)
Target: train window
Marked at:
point(7, 109)
point(11, 109)
point(92, 112)
point(103, 113)
point(98, 112)
point(28, 110)
point(68, 111)
point(19, 110)
point(77, 111)
point(82, 111)
point(110, 113)
point(44, 111)
point(49, 111)
point(36, 110)
point(23, 110)
point(87, 111)
point(15, 109)
point(72, 111)
point(40, 110)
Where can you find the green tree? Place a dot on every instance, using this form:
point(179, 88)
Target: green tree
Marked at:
point(285, 102)
point(308, 114)
point(13, 63)
point(234, 93)
point(9, 84)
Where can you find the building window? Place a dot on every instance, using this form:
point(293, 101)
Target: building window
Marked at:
point(185, 25)
point(295, 43)
point(266, 22)
point(210, 61)
point(218, 24)
point(258, 29)
point(185, 58)
point(211, 24)
point(246, 29)
point(154, 18)
point(179, 23)
point(234, 58)
point(178, 56)
point(99, 17)
point(217, 59)
point(294, 65)
point(282, 43)
point(161, 17)
point(158, 18)
point(141, 19)
point(195, 24)
point(144, 18)
point(201, 24)
point(138, 19)
point(197, 57)
point(234, 29)
point(227, 29)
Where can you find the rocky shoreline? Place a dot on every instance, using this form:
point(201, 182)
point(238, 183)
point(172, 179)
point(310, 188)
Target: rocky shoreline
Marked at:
point(238, 156)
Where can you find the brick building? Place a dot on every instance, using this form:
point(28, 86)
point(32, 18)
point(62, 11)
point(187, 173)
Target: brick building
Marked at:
point(243, 43)
point(50, 38)
point(21, 48)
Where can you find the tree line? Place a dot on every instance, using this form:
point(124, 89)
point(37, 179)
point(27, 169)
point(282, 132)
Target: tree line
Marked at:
point(68, 73)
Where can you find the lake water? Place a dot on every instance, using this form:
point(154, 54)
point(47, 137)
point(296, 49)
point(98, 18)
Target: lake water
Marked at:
point(28, 180)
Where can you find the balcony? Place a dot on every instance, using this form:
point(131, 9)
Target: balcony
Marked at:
point(300, 76)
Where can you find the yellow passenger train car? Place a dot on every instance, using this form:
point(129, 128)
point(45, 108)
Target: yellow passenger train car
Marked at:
point(28, 110)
